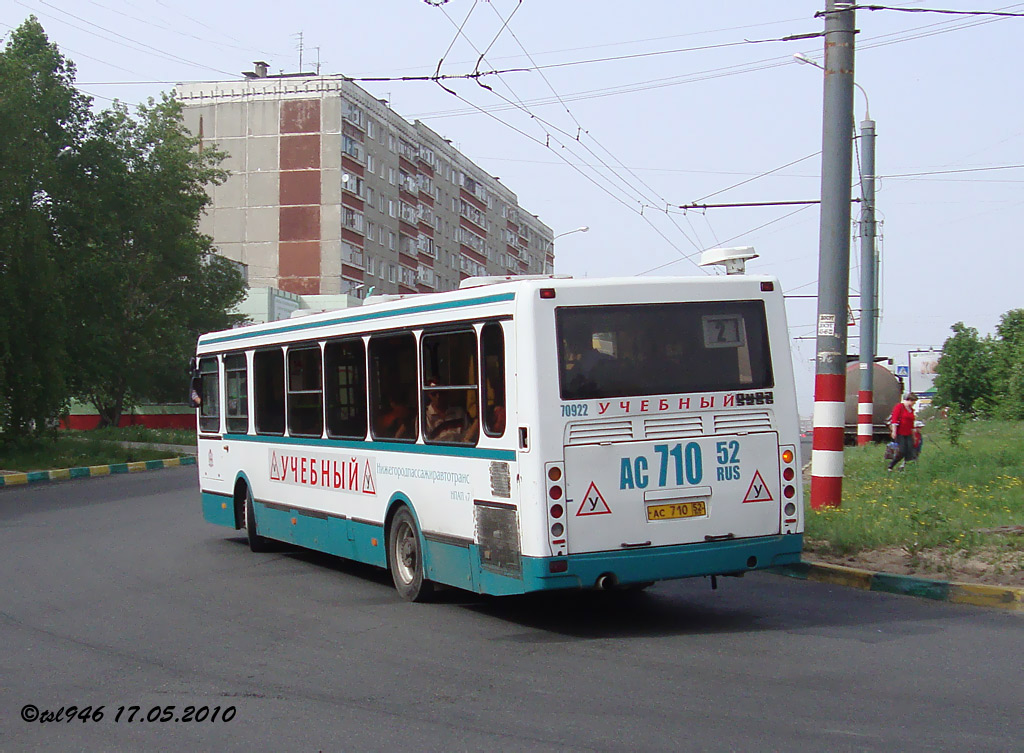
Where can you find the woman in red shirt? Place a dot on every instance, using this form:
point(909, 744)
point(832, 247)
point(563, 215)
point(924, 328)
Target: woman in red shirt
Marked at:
point(902, 428)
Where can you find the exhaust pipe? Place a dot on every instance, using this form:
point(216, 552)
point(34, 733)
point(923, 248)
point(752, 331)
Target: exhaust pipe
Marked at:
point(606, 582)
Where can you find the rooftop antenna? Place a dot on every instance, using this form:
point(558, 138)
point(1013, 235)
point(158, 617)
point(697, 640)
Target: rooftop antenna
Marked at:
point(299, 35)
point(317, 60)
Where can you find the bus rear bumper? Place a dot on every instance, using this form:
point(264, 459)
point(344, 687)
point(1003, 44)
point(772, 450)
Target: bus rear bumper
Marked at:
point(662, 563)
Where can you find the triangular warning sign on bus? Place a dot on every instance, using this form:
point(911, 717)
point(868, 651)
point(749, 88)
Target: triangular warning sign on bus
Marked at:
point(368, 486)
point(593, 503)
point(758, 491)
point(275, 468)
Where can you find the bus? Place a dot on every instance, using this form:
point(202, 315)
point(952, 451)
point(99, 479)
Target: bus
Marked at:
point(514, 435)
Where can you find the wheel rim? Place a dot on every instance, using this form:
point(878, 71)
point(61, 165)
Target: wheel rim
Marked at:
point(406, 552)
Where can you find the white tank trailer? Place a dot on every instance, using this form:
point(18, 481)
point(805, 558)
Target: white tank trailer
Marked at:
point(888, 390)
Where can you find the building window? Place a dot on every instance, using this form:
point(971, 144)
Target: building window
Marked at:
point(209, 391)
point(369, 162)
point(371, 128)
point(393, 387)
point(391, 245)
point(345, 370)
point(305, 393)
point(268, 390)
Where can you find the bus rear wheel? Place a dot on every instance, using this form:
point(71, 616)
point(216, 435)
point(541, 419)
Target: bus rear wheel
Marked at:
point(405, 558)
point(257, 543)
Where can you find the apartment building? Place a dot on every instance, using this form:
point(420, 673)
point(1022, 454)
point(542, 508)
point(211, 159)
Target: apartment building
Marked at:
point(332, 192)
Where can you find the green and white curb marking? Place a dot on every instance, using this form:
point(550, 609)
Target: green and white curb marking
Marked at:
point(1001, 597)
point(63, 474)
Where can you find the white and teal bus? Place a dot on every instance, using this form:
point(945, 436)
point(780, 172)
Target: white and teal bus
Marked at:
point(515, 435)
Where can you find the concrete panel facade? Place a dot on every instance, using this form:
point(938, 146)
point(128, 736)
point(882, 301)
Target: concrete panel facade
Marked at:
point(295, 128)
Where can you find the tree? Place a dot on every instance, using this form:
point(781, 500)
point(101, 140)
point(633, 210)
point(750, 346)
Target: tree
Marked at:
point(1008, 367)
point(964, 378)
point(141, 181)
point(42, 119)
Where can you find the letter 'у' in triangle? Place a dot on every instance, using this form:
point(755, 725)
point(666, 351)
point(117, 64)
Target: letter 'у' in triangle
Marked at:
point(593, 503)
point(758, 491)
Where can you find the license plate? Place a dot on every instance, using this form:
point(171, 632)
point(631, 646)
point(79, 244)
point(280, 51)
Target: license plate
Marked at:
point(676, 510)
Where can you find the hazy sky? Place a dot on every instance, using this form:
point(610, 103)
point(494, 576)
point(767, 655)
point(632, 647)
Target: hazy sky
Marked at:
point(641, 106)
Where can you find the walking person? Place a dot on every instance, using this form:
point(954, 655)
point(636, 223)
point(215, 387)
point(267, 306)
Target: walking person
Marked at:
point(901, 424)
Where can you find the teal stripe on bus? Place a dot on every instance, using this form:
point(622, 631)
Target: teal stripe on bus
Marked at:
point(410, 448)
point(497, 298)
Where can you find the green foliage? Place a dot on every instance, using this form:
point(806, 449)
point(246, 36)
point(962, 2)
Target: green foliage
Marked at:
point(42, 118)
point(964, 372)
point(984, 376)
point(143, 180)
point(942, 501)
point(105, 277)
point(37, 454)
point(1008, 367)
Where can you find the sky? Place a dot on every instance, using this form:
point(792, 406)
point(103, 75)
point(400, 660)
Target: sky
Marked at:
point(627, 111)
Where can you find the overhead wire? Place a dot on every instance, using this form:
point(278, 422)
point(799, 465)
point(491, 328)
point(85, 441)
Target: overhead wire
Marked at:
point(135, 45)
point(549, 137)
point(581, 130)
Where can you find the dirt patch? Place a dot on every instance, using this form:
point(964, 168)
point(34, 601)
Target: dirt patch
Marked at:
point(992, 566)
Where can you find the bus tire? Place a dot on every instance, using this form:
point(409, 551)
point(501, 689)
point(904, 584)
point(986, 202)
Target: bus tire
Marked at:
point(405, 558)
point(257, 543)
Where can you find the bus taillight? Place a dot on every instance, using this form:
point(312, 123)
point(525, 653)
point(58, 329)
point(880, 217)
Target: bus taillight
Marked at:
point(555, 474)
point(790, 520)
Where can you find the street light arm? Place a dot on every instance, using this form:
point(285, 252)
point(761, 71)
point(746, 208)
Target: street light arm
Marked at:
point(583, 229)
point(801, 58)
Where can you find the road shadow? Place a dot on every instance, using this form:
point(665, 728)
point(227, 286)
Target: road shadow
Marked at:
point(759, 602)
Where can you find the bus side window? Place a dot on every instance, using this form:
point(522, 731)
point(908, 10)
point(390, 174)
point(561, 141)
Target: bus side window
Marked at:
point(492, 348)
point(268, 386)
point(209, 382)
point(451, 406)
point(393, 387)
point(305, 392)
point(236, 380)
point(345, 375)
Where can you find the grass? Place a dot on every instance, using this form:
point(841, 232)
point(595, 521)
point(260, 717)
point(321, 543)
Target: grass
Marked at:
point(948, 501)
point(70, 452)
point(139, 434)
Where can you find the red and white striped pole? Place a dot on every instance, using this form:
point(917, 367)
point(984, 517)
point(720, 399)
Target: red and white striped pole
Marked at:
point(833, 258)
point(827, 445)
point(865, 405)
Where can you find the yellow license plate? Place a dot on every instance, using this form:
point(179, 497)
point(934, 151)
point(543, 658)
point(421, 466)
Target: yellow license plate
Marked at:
point(677, 510)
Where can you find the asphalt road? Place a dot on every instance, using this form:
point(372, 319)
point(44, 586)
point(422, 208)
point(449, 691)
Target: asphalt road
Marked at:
point(116, 593)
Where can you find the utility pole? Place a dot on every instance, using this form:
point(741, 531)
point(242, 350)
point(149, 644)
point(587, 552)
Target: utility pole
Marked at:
point(868, 283)
point(833, 258)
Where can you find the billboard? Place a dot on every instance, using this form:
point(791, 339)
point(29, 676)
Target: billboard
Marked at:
point(923, 365)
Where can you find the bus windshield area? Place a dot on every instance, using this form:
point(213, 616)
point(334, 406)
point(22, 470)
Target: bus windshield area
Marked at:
point(662, 348)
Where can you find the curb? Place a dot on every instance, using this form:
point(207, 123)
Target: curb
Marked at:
point(1000, 597)
point(63, 474)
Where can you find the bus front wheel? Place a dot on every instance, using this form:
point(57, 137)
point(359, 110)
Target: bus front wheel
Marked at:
point(257, 543)
point(405, 558)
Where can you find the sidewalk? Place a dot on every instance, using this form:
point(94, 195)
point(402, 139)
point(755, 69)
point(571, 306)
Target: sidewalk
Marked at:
point(186, 456)
point(1000, 597)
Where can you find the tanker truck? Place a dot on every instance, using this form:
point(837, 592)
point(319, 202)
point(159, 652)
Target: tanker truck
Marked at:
point(888, 390)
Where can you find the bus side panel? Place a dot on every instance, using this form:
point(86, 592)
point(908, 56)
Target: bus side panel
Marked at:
point(367, 543)
point(450, 564)
point(218, 509)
